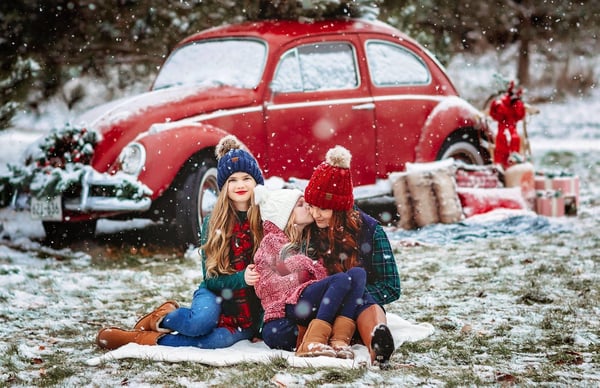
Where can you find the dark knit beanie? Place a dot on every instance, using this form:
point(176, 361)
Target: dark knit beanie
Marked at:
point(330, 186)
point(233, 158)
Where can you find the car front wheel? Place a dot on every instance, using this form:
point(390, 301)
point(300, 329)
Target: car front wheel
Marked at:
point(196, 198)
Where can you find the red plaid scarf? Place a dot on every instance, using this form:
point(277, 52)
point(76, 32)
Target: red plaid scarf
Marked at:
point(237, 310)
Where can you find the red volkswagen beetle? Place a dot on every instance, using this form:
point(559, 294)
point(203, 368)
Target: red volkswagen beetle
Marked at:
point(289, 90)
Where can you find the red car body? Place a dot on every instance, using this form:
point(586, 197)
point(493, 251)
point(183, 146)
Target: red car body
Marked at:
point(375, 91)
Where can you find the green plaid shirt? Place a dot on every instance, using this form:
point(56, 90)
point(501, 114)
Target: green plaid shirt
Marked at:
point(386, 288)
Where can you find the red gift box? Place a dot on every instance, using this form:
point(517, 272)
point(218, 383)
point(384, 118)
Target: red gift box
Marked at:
point(550, 203)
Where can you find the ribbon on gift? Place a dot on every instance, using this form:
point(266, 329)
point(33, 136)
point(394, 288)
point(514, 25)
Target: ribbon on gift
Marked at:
point(557, 174)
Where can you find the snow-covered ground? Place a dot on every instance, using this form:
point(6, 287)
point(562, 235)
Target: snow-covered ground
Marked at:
point(514, 297)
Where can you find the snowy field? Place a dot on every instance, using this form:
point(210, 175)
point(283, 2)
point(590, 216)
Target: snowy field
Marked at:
point(513, 297)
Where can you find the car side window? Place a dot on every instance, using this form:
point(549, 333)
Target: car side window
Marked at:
point(287, 77)
point(317, 67)
point(394, 65)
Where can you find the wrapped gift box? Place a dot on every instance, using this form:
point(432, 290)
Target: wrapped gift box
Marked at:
point(567, 184)
point(485, 177)
point(550, 203)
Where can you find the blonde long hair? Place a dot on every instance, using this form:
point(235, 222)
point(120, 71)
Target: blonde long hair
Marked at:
point(297, 238)
point(218, 244)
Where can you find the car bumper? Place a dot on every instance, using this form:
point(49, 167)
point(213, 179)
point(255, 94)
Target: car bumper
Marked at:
point(99, 193)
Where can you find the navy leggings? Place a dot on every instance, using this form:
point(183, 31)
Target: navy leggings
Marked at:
point(339, 294)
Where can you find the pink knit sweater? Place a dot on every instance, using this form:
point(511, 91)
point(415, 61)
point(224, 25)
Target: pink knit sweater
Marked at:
point(277, 287)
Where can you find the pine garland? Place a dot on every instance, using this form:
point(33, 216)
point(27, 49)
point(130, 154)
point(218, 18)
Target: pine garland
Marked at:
point(57, 164)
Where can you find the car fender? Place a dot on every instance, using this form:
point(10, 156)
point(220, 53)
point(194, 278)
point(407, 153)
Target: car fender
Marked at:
point(451, 114)
point(168, 150)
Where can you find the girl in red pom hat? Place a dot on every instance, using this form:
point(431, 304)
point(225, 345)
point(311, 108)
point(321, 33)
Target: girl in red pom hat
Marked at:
point(295, 290)
point(345, 237)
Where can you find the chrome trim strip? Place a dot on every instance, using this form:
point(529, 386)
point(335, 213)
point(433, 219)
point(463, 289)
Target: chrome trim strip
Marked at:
point(223, 113)
point(269, 106)
point(348, 101)
point(400, 97)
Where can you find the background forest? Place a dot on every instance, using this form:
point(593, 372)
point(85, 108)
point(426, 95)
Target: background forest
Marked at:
point(47, 45)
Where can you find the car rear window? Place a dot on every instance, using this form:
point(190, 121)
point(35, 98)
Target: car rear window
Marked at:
point(393, 65)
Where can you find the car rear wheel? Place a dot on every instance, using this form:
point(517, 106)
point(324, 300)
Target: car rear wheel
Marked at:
point(60, 234)
point(196, 198)
point(464, 146)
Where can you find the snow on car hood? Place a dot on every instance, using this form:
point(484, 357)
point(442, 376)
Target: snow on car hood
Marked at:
point(122, 121)
point(171, 104)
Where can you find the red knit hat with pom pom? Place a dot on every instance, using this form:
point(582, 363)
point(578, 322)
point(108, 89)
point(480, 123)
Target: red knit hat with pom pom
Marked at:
point(330, 186)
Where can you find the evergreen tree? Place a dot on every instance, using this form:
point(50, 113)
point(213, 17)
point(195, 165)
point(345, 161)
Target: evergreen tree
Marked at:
point(12, 86)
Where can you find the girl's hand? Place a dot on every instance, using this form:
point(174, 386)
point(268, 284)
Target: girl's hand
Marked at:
point(250, 275)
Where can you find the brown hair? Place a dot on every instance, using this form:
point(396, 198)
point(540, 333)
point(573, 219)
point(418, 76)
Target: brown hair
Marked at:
point(218, 244)
point(336, 245)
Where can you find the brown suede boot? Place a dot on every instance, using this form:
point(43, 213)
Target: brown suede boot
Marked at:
point(316, 340)
point(113, 337)
point(374, 333)
point(341, 334)
point(151, 321)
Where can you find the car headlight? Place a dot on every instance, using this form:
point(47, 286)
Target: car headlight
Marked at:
point(132, 158)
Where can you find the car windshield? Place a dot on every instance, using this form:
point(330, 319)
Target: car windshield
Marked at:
point(234, 62)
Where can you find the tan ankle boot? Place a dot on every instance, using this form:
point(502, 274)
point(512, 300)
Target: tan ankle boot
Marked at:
point(374, 333)
point(151, 321)
point(341, 334)
point(113, 337)
point(316, 339)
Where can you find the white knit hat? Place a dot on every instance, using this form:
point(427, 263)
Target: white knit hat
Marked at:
point(276, 205)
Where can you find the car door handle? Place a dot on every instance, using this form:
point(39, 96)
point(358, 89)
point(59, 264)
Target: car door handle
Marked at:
point(367, 106)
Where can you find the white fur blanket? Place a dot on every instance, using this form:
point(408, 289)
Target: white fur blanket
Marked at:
point(246, 351)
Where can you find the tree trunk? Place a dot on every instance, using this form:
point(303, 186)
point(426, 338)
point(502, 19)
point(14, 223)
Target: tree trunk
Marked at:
point(526, 34)
point(523, 62)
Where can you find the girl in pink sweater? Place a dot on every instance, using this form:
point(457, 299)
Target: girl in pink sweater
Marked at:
point(295, 288)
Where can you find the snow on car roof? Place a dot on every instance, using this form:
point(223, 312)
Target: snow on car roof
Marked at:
point(284, 30)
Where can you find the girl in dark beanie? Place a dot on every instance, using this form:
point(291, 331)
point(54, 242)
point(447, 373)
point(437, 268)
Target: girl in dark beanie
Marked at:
point(224, 308)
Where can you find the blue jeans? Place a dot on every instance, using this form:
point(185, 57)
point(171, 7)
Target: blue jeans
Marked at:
point(199, 319)
point(220, 337)
point(197, 325)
